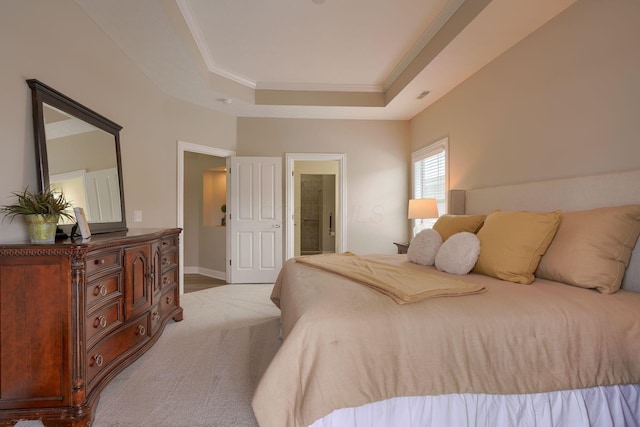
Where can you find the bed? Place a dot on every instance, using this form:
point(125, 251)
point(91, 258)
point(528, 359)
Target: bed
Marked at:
point(561, 350)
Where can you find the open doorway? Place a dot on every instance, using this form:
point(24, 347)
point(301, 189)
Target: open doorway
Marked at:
point(204, 231)
point(314, 217)
point(316, 203)
point(317, 233)
point(203, 212)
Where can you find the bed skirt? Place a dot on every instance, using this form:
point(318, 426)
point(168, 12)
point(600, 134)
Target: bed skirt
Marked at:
point(608, 406)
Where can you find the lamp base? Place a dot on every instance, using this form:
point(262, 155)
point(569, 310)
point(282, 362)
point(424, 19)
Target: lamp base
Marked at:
point(418, 228)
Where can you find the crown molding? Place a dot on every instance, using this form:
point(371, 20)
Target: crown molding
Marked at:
point(445, 14)
point(196, 33)
point(319, 98)
point(319, 87)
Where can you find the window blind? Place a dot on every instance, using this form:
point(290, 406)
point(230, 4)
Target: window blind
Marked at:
point(430, 175)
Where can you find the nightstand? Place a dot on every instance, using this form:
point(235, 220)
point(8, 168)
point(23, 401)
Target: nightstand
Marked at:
point(402, 247)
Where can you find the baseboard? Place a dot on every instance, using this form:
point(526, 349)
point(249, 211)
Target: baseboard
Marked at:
point(220, 275)
point(190, 270)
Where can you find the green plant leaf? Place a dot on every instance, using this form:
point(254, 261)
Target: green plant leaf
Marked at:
point(45, 202)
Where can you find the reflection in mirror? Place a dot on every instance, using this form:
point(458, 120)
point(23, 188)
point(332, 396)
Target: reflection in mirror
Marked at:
point(78, 152)
point(82, 164)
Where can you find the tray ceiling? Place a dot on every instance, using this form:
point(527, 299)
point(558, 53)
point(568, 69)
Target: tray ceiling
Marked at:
point(358, 59)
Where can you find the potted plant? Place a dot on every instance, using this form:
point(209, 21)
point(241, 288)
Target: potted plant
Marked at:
point(41, 211)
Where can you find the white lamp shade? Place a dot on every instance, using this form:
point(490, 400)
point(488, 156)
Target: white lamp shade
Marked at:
point(423, 208)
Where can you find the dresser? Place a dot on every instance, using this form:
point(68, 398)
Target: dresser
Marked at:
point(74, 314)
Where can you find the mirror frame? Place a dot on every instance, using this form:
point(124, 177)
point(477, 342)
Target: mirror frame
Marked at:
point(43, 94)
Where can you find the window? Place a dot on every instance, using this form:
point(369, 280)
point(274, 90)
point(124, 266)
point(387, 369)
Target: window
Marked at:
point(430, 177)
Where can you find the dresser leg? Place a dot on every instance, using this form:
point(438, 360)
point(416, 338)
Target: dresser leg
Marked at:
point(85, 422)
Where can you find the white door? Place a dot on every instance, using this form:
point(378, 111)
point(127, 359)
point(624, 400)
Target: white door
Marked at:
point(254, 218)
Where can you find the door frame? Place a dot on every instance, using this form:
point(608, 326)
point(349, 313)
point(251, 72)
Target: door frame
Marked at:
point(291, 158)
point(200, 149)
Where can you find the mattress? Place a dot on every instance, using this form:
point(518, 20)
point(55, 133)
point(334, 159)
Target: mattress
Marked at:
point(348, 347)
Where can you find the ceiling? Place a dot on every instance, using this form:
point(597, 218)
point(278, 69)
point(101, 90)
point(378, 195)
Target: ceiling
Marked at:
point(347, 59)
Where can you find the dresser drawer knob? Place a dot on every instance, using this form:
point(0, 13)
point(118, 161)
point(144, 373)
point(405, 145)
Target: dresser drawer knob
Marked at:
point(99, 261)
point(98, 359)
point(141, 330)
point(165, 280)
point(165, 261)
point(169, 300)
point(101, 289)
point(102, 321)
point(155, 315)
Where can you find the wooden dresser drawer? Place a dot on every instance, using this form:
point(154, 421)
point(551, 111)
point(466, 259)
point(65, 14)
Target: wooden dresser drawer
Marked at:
point(105, 354)
point(169, 260)
point(169, 278)
point(168, 243)
point(103, 288)
point(168, 301)
point(103, 262)
point(103, 320)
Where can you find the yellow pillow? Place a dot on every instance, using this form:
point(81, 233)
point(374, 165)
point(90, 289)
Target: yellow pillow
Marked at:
point(448, 225)
point(511, 244)
point(592, 248)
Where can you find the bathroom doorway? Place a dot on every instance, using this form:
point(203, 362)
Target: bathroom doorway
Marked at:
point(317, 214)
point(317, 224)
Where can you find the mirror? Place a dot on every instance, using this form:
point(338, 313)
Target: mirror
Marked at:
point(78, 152)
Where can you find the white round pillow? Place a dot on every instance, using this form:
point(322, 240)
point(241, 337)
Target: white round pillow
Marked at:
point(459, 253)
point(424, 247)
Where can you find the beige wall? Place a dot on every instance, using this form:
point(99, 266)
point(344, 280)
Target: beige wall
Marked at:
point(563, 102)
point(91, 151)
point(56, 43)
point(377, 169)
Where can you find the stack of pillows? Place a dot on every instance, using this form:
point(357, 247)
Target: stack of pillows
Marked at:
point(590, 248)
point(451, 245)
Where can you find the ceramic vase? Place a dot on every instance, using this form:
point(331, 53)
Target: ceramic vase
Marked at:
point(42, 228)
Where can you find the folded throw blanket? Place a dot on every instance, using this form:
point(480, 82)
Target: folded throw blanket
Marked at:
point(402, 285)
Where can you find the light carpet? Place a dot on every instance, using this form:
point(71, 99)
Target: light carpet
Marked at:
point(202, 371)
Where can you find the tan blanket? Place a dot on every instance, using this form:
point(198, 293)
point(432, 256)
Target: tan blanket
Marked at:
point(401, 284)
point(346, 345)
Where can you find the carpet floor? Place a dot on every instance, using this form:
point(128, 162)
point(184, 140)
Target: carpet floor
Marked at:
point(202, 371)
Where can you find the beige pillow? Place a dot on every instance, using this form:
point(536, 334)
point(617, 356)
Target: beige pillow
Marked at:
point(592, 248)
point(511, 244)
point(448, 225)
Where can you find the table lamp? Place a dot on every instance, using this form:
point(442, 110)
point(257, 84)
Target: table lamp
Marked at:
point(422, 209)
